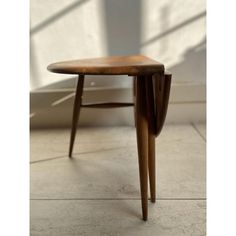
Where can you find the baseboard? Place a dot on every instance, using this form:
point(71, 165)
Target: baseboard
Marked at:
point(53, 108)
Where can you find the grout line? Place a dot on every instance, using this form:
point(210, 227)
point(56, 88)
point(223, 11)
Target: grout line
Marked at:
point(196, 129)
point(187, 102)
point(112, 199)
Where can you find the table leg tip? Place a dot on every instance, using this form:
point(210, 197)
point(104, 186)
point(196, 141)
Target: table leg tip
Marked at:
point(145, 218)
point(153, 200)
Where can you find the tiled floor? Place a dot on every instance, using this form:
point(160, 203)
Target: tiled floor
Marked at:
point(97, 192)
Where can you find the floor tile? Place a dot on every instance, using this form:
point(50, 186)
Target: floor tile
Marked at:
point(49, 143)
point(112, 217)
point(105, 164)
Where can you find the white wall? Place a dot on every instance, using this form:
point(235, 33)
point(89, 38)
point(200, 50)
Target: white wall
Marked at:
point(172, 32)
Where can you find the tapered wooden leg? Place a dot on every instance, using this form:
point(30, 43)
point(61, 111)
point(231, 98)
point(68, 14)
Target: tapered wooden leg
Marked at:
point(151, 136)
point(142, 142)
point(151, 166)
point(134, 97)
point(76, 111)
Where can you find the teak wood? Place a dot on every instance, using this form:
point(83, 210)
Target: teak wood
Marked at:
point(116, 65)
point(151, 136)
point(151, 89)
point(142, 141)
point(76, 111)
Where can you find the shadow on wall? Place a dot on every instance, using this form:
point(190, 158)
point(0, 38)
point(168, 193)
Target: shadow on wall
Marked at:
point(193, 66)
point(119, 18)
point(122, 21)
point(56, 16)
point(123, 26)
point(34, 72)
point(165, 11)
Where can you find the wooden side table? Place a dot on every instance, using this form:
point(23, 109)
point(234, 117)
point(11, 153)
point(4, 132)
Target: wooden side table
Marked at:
point(151, 96)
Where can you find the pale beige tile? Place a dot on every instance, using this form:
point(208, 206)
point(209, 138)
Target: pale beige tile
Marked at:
point(100, 174)
point(112, 217)
point(106, 164)
point(50, 143)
